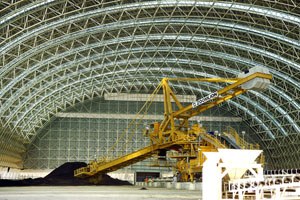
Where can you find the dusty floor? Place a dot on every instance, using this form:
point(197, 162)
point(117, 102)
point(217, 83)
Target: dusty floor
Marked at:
point(94, 192)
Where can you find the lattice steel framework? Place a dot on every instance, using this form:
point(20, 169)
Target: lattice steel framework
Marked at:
point(84, 133)
point(54, 54)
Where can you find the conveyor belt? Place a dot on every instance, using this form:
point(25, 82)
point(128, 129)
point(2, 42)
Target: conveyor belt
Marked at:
point(229, 142)
point(102, 168)
point(213, 140)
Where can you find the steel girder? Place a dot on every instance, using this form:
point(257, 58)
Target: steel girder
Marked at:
point(54, 54)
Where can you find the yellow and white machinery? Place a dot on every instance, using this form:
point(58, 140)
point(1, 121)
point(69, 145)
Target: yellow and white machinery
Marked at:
point(176, 132)
point(238, 176)
point(190, 161)
point(228, 165)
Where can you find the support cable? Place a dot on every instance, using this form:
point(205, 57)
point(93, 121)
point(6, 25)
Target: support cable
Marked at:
point(150, 99)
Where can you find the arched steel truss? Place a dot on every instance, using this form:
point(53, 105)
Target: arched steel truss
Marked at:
point(54, 54)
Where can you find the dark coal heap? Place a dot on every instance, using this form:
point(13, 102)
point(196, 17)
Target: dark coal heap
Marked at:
point(63, 176)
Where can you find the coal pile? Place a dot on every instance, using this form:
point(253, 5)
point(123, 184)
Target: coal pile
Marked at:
point(63, 176)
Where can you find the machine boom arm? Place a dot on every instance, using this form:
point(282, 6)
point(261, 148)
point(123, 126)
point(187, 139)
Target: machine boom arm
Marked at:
point(233, 87)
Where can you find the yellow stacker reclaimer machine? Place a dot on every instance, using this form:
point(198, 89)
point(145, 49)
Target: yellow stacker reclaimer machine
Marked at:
point(175, 132)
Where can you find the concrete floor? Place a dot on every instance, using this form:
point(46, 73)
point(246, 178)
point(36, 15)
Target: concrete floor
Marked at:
point(95, 192)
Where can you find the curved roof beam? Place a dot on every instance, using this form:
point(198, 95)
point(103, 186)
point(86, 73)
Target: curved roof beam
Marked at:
point(216, 41)
point(230, 57)
point(283, 112)
point(179, 86)
point(25, 10)
point(138, 50)
point(268, 131)
point(174, 60)
point(161, 21)
point(90, 30)
point(133, 70)
point(287, 97)
point(258, 10)
point(273, 104)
